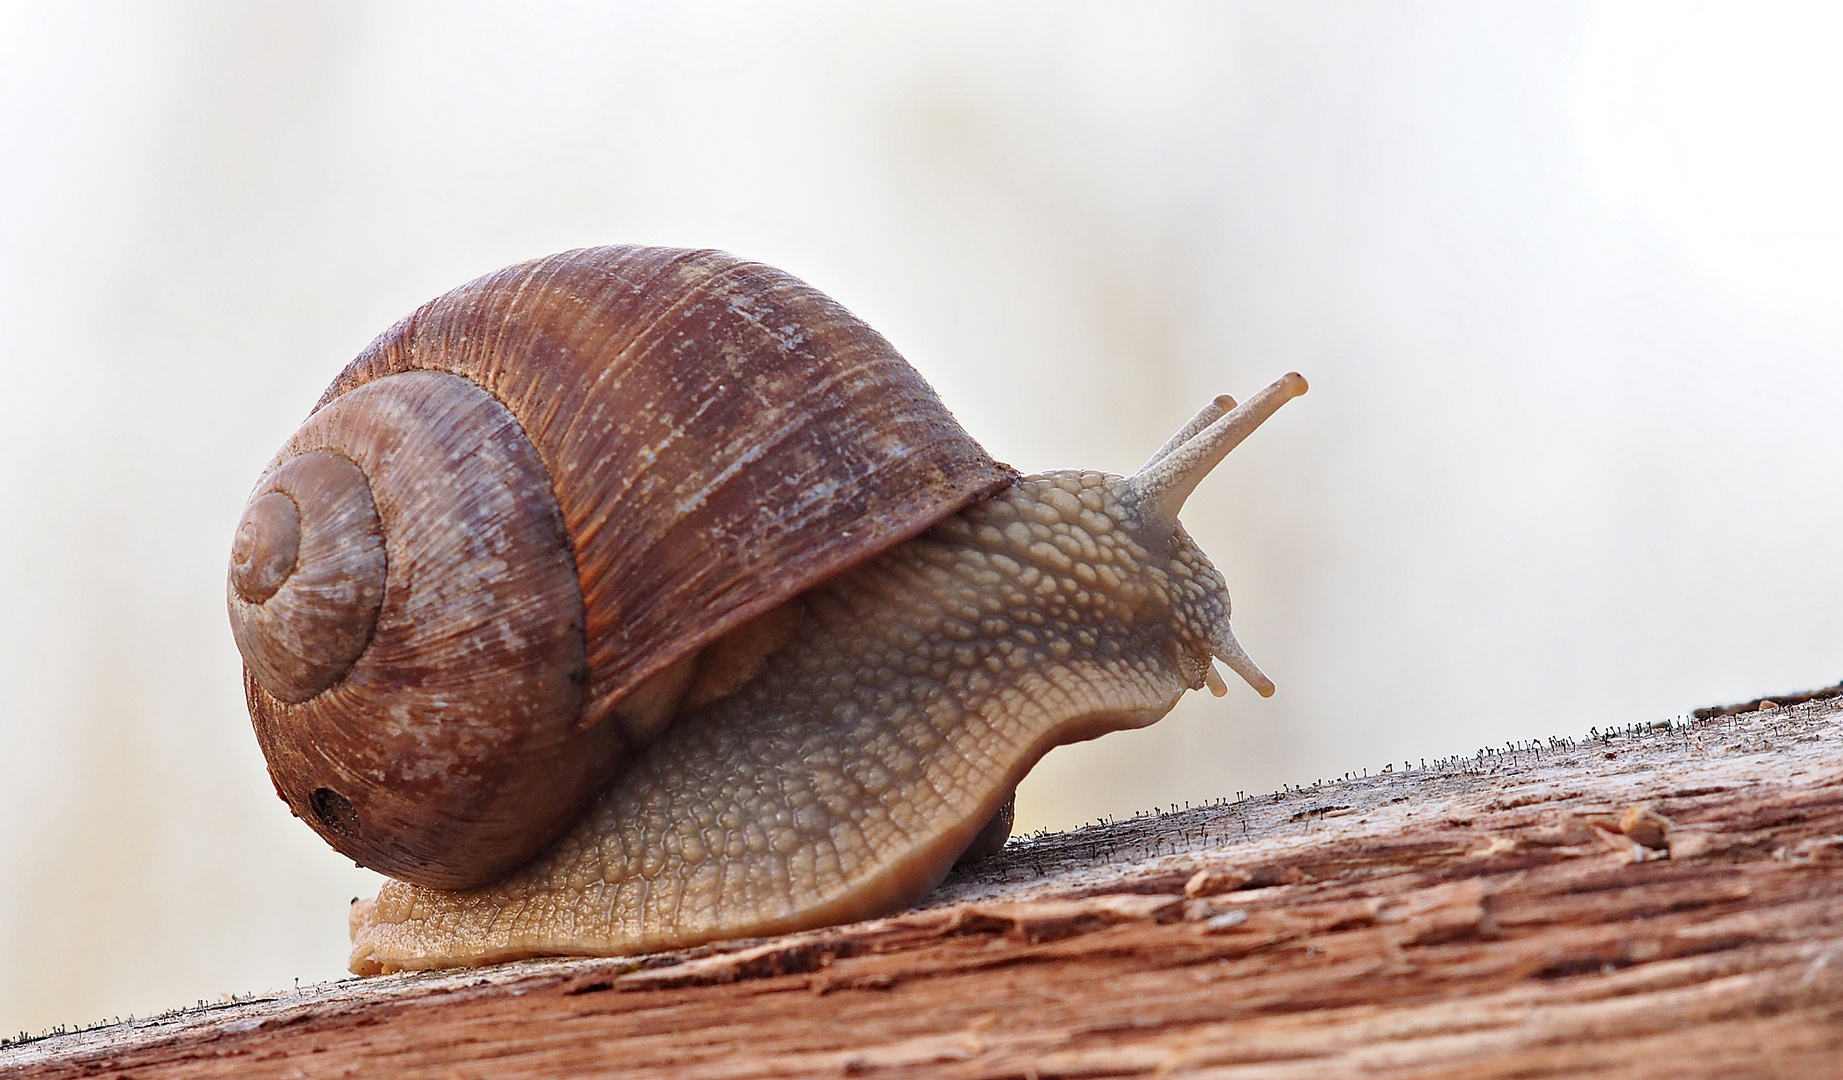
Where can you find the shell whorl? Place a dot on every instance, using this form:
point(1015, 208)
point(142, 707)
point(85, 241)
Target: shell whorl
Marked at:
point(306, 575)
point(453, 736)
point(701, 438)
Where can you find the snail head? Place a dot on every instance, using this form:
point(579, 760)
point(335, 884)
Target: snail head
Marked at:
point(1148, 503)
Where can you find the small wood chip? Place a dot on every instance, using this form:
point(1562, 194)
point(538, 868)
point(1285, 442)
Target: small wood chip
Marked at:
point(1211, 881)
point(1646, 826)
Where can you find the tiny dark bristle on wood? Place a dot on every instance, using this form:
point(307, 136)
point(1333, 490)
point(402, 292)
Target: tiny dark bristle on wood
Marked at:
point(1775, 701)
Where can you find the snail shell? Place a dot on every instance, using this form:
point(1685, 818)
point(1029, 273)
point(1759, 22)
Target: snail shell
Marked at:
point(478, 577)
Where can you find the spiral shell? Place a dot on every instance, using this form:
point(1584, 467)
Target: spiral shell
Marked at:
point(534, 495)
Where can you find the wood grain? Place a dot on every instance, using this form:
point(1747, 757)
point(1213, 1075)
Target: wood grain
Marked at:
point(1657, 902)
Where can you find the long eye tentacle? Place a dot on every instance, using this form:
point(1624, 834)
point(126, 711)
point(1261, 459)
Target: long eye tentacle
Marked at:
point(1162, 485)
point(1209, 414)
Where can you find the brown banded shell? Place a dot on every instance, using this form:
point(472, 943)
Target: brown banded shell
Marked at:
point(579, 471)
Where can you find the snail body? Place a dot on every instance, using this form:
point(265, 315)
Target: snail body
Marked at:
point(747, 717)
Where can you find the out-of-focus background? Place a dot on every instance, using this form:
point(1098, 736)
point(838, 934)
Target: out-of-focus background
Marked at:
point(1565, 278)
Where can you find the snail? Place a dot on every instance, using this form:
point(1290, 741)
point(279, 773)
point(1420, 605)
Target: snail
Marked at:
point(633, 598)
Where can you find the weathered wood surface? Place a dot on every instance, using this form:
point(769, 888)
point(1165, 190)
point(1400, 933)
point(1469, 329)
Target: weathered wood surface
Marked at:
point(1665, 903)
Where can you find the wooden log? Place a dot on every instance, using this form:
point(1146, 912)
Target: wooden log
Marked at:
point(1655, 902)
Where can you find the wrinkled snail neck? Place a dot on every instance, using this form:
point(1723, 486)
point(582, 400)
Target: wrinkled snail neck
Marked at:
point(880, 732)
point(1157, 492)
point(1117, 541)
point(1070, 605)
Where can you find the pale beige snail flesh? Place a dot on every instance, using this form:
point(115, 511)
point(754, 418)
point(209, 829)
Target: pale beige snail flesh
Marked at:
point(828, 756)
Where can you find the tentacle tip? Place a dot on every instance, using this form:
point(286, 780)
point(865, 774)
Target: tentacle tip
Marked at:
point(1295, 384)
point(1230, 652)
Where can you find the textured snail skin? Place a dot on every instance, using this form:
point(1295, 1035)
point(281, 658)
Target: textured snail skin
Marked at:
point(841, 782)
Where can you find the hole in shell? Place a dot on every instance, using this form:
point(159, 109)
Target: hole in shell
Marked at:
point(334, 811)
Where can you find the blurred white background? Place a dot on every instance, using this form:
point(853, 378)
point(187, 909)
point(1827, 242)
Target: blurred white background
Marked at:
point(1566, 280)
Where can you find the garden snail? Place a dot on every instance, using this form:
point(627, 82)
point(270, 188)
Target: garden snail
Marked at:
point(632, 598)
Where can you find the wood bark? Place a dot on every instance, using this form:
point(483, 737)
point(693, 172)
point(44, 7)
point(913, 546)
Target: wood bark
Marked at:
point(1663, 901)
